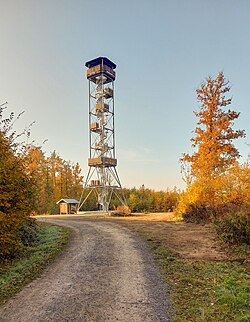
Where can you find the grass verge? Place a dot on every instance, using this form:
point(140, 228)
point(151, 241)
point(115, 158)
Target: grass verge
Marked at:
point(15, 275)
point(200, 290)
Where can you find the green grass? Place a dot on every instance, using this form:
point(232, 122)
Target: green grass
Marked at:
point(14, 276)
point(205, 290)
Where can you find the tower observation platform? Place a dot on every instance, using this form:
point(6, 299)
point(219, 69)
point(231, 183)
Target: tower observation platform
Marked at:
point(102, 176)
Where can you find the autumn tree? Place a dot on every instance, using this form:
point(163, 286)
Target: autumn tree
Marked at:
point(29, 182)
point(53, 178)
point(212, 172)
point(34, 163)
point(213, 140)
point(15, 188)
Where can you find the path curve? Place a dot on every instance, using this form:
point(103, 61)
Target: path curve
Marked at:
point(105, 274)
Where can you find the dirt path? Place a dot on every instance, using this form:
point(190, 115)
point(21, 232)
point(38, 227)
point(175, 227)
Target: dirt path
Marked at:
point(105, 274)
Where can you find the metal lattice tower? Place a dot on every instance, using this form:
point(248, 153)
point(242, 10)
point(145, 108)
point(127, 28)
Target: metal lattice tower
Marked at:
point(102, 178)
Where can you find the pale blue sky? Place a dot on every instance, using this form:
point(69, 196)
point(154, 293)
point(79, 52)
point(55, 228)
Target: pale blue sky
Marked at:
point(163, 51)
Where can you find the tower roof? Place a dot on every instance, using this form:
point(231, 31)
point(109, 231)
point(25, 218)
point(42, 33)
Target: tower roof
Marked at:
point(99, 61)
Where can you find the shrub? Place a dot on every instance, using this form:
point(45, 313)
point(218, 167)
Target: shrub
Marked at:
point(235, 227)
point(52, 208)
point(16, 232)
point(122, 211)
point(202, 213)
point(10, 242)
point(198, 213)
point(29, 232)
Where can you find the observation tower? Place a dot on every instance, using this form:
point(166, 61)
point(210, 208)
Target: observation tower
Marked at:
point(102, 177)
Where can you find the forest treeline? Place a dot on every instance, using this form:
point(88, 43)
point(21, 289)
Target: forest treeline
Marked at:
point(141, 200)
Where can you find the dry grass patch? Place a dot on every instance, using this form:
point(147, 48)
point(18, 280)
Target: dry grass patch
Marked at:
point(189, 240)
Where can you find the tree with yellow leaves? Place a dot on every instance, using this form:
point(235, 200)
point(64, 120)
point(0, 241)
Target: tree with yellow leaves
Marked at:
point(15, 188)
point(211, 168)
point(215, 151)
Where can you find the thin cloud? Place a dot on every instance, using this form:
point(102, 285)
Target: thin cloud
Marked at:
point(144, 155)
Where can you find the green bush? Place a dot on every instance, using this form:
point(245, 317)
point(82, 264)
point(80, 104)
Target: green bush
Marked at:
point(29, 232)
point(10, 242)
point(234, 227)
point(16, 232)
point(52, 208)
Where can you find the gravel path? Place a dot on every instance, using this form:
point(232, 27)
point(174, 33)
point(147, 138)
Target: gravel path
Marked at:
point(105, 274)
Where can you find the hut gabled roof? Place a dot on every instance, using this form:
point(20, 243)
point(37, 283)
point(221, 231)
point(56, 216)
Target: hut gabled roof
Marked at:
point(71, 201)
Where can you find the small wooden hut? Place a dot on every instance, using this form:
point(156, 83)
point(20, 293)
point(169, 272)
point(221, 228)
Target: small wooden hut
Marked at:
point(68, 206)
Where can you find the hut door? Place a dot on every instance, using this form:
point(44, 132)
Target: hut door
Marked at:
point(63, 208)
